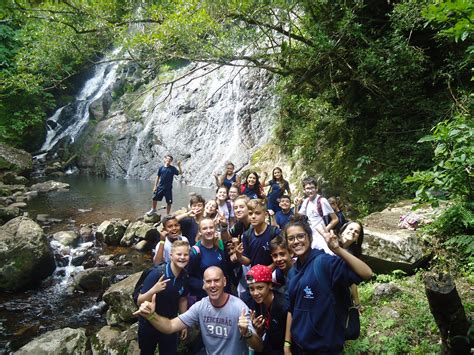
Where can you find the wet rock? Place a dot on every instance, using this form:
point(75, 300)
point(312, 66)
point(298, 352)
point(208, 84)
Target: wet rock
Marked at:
point(91, 279)
point(60, 341)
point(25, 254)
point(31, 194)
point(80, 257)
point(110, 340)
point(15, 159)
point(139, 230)
point(49, 186)
point(8, 213)
point(18, 205)
point(111, 231)
point(153, 218)
point(11, 178)
point(99, 108)
point(9, 190)
point(120, 301)
point(69, 238)
point(143, 246)
point(385, 290)
point(86, 233)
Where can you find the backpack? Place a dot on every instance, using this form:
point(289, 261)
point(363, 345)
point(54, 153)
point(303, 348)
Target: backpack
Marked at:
point(345, 309)
point(138, 286)
point(319, 208)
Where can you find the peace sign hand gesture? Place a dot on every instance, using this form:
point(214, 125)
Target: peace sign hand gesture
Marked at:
point(160, 284)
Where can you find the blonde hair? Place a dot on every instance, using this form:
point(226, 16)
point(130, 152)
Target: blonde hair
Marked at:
point(256, 204)
point(179, 243)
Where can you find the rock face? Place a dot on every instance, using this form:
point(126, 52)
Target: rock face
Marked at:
point(232, 121)
point(60, 341)
point(387, 247)
point(120, 301)
point(25, 255)
point(15, 159)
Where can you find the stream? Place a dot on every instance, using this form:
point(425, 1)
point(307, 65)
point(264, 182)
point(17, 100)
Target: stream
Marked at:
point(53, 304)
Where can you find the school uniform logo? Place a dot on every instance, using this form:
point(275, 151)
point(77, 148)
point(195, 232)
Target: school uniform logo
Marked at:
point(181, 291)
point(308, 293)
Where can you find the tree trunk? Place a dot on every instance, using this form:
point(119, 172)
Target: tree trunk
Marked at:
point(448, 312)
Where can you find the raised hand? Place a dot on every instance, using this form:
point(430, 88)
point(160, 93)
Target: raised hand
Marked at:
point(160, 284)
point(243, 323)
point(146, 308)
point(258, 323)
point(331, 240)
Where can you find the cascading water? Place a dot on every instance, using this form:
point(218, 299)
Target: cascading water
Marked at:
point(69, 120)
point(209, 116)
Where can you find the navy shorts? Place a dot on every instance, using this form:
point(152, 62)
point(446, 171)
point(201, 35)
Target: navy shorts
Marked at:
point(166, 193)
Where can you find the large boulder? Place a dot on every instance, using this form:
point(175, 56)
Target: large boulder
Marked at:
point(111, 231)
point(15, 159)
point(113, 341)
point(119, 298)
point(139, 230)
point(60, 341)
point(25, 255)
point(387, 247)
point(48, 186)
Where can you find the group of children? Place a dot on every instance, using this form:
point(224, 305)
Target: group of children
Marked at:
point(264, 249)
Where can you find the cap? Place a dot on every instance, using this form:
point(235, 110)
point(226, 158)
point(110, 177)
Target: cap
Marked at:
point(259, 273)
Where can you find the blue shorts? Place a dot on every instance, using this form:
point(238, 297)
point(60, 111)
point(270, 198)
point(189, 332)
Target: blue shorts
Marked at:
point(166, 193)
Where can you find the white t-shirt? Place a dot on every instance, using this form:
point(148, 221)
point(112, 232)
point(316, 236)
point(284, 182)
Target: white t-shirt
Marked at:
point(310, 209)
point(167, 248)
point(219, 326)
point(226, 211)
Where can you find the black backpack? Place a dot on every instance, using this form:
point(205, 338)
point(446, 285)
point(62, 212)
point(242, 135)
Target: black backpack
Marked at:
point(138, 286)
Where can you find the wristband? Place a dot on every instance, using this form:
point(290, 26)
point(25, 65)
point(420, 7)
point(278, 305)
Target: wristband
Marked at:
point(248, 335)
point(287, 344)
point(151, 316)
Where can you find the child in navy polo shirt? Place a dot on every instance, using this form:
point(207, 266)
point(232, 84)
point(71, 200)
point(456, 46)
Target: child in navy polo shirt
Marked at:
point(170, 284)
point(164, 184)
point(269, 309)
point(281, 256)
point(282, 217)
point(256, 241)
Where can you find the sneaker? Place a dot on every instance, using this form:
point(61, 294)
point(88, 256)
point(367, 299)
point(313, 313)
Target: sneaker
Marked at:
point(151, 212)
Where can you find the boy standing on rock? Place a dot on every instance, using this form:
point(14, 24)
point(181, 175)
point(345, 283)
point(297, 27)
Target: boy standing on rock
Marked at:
point(164, 184)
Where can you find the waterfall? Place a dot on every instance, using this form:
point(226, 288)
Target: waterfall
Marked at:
point(208, 117)
point(77, 114)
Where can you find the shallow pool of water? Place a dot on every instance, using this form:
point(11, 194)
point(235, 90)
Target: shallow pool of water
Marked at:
point(93, 199)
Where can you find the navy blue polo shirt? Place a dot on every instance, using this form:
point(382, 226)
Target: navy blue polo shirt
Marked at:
point(166, 174)
point(190, 229)
point(282, 218)
point(167, 301)
point(257, 248)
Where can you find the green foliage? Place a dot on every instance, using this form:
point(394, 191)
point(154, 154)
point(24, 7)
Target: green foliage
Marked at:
point(456, 17)
point(453, 169)
point(44, 45)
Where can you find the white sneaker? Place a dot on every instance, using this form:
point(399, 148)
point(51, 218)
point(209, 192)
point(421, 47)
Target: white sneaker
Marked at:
point(151, 212)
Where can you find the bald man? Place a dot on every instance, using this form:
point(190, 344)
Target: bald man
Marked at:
point(224, 319)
